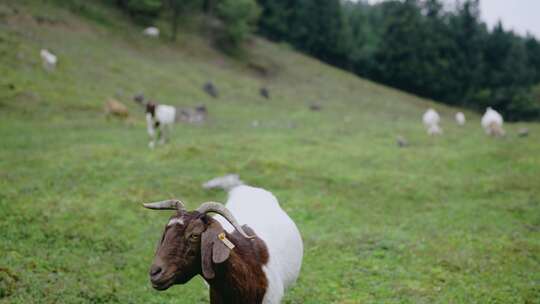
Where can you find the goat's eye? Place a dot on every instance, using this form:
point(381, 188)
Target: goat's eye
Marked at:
point(194, 237)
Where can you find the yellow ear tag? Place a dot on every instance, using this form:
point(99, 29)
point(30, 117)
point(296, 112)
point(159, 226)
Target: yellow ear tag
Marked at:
point(225, 240)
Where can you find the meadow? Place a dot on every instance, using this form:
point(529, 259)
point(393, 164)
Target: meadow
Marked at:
point(448, 219)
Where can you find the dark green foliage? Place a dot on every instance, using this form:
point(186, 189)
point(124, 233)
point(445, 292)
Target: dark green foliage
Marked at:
point(363, 36)
point(533, 49)
point(179, 9)
point(229, 22)
point(314, 26)
point(143, 11)
point(275, 18)
point(400, 57)
point(149, 7)
point(239, 18)
point(417, 46)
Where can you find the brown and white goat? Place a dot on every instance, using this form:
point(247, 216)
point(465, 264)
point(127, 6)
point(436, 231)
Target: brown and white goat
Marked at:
point(240, 264)
point(161, 117)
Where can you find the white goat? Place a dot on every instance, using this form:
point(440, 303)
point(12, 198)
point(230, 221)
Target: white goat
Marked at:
point(431, 121)
point(492, 122)
point(250, 252)
point(260, 210)
point(159, 121)
point(151, 32)
point(49, 59)
point(460, 118)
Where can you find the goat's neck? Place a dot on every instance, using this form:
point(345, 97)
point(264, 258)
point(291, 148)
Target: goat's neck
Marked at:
point(240, 279)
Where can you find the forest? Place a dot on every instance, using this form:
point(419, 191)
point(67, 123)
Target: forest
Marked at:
point(446, 53)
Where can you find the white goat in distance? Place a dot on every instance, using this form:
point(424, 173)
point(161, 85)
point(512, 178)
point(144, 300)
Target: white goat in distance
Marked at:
point(431, 121)
point(492, 122)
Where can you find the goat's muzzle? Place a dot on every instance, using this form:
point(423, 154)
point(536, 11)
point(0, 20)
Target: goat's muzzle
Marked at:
point(159, 278)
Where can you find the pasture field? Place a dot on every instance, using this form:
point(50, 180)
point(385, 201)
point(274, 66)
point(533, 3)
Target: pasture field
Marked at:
point(449, 219)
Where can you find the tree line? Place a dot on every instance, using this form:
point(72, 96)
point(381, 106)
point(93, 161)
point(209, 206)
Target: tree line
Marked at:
point(228, 22)
point(420, 46)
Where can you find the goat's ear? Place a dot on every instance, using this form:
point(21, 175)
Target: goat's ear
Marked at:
point(220, 252)
point(207, 241)
point(213, 251)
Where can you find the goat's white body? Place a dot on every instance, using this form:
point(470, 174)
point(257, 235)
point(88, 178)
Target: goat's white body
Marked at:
point(460, 118)
point(260, 210)
point(49, 59)
point(431, 121)
point(431, 117)
point(165, 116)
point(151, 31)
point(492, 122)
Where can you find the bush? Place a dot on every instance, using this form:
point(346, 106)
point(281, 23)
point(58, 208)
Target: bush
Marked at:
point(514, 103)
point(524, 106)
point(142, 11)
point(239, 18)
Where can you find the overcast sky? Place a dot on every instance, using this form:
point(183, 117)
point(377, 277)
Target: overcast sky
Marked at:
point(521, 16)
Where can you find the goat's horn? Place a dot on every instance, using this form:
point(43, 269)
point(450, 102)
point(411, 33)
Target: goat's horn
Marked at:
point(223, 211)
point(172, 204)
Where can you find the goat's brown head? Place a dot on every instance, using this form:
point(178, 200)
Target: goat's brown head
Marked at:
point(189, 244)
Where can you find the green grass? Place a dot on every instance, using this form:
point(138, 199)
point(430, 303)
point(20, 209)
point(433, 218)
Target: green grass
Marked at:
point(453, 219)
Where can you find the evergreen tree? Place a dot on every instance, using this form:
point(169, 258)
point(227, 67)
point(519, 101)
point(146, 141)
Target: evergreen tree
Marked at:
point(276, 17)
point(533, 54)
point(469, 34)
point(398, 57)
point(239, 18)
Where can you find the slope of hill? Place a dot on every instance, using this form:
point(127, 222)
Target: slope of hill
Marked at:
point(452, 219)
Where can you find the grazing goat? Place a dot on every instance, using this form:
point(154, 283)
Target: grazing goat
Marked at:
point(159, 121)
point(264, 92)
point(115, 108)
point(460, 118)
point(250, 253)
point(151, 32)
point(402, 142)
point(160, 118)
point(431, 121)
point(315, 107)
point(49, 59)
point(211, 89)
point(492, 122)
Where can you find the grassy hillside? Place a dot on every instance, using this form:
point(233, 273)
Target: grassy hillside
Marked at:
point(453, 219)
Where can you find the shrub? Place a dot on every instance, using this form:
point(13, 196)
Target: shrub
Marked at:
point(239, 18)
point(142, 11)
